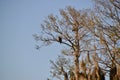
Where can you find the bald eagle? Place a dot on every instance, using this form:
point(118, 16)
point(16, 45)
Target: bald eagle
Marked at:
point(59, 39)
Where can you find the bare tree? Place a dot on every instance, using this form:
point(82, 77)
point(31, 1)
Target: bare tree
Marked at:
point(61, 67)
point(68, 30)
point(107, 31)
point(86, 31)
point(108, 25)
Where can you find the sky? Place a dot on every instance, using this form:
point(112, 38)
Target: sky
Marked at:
point(19, 20)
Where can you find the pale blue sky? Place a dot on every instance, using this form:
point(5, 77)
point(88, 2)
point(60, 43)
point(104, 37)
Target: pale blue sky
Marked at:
point(19, 19)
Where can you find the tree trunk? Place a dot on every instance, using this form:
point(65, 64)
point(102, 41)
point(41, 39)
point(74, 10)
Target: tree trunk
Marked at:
point(76, 67)
point(113, 72)
point(64, 73)
point(76, 56)
point(65, 76)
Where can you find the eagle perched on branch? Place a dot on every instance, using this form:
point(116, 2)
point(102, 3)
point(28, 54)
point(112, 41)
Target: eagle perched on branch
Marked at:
point(59, 39)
